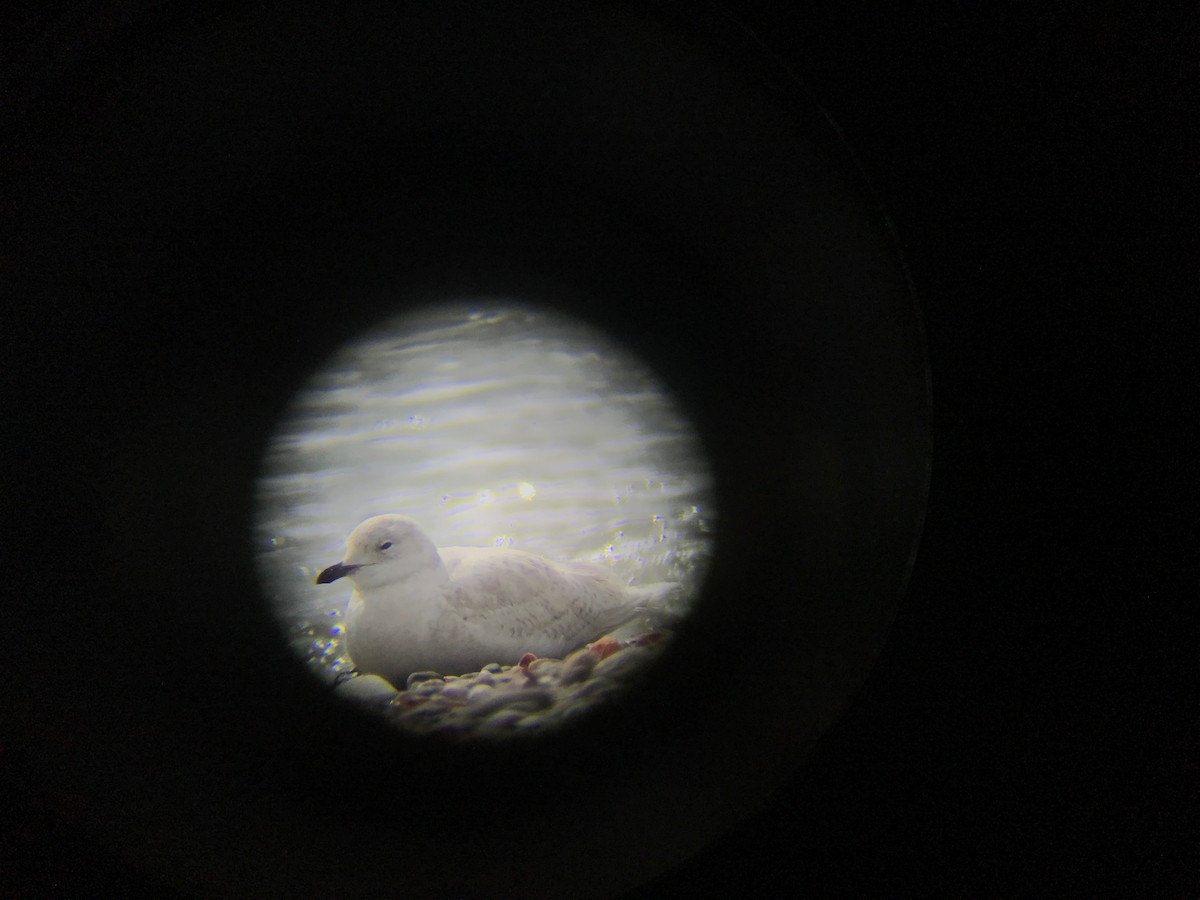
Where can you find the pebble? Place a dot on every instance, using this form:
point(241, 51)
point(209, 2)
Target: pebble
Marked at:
point(424, 711)
point(429, 687)
point(545, 666)
point(366, 688)
point(417, 677)
point(620, 663)
point(475, 691)
point(501, 720)
point(598, 687)
point(525, 699)
point(502, 701)
point(578, 666)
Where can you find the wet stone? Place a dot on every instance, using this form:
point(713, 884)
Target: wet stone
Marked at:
point(509, 700)
point(501, 721)
point(621, 663)
point(598, 687)
point(418, 677)
point(405, 700)
point(605, 647)
point(424, 711)
point(367, 689)
point(545, 665)
point(577, 667)
point(535, 698)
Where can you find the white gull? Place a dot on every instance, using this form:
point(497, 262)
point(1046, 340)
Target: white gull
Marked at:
point(455, 610)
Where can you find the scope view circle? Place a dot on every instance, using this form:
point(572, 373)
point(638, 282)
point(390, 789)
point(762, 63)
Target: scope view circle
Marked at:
point(241, 194)
point(569, 498)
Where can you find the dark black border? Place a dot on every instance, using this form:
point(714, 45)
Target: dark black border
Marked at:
point(1030, 727)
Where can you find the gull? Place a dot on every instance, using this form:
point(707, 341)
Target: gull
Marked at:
point(455, 610)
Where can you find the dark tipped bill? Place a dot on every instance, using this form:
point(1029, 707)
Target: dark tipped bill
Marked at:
point(334, 572)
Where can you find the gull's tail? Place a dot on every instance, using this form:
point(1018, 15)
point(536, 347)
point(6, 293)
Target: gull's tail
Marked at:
point(654, 596)
point(649, 607)
point(660, 604)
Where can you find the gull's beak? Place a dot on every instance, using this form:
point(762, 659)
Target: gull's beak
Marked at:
point(334, 572)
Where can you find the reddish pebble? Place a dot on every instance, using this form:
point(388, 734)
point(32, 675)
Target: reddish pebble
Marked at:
point(526, 660)
point(407, 700)
point(605, 647)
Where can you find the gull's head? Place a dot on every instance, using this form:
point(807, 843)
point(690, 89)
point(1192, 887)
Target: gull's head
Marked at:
point(383, 550)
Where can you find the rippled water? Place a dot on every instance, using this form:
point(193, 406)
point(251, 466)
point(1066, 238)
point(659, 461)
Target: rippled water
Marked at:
point(490, 424)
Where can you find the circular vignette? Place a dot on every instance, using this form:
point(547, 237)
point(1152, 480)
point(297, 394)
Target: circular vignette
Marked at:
point(224, 216)
point(490, 424)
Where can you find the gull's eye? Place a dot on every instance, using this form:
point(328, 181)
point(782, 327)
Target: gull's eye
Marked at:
point(385, 545)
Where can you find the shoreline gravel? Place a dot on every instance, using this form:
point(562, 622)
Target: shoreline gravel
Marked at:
point(535, 695)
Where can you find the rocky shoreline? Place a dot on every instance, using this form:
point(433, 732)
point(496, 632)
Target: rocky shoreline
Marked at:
point(533, 696)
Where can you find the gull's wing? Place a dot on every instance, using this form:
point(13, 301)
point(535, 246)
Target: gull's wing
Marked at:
point(518, 599)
